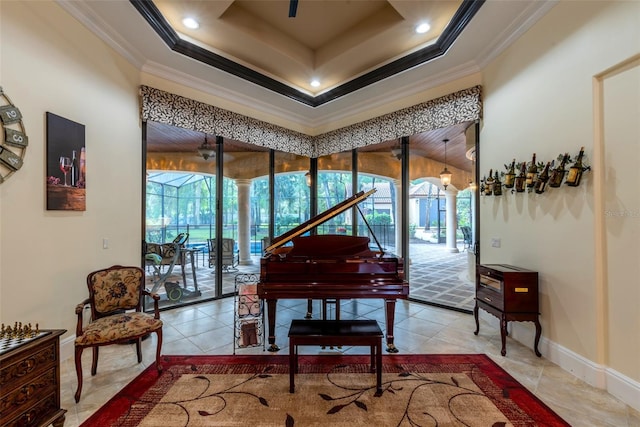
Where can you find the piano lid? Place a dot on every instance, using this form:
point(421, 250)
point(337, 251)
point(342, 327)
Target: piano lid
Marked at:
point(319, 219)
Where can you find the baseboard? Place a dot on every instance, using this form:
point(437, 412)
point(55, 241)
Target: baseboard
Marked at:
point(594, 374)
point(600, 376)
point(623, 388)
point(66, 347)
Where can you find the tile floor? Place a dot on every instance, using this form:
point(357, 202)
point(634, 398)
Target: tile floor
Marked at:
point(207, 328)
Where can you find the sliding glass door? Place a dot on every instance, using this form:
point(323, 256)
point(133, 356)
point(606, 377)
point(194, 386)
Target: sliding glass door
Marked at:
point(441, 220)
point(249, 195)
point(334, 186)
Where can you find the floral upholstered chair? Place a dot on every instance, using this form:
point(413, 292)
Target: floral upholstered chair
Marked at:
point(115, 298)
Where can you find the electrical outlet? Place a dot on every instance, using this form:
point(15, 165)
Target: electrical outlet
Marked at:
point(495, 242)
point(105, 243)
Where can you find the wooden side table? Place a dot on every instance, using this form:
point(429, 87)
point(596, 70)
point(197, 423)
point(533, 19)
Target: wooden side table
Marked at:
point(30, 378)
point(509, 293)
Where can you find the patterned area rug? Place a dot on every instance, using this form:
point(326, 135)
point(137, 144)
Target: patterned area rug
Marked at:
point(336, 390)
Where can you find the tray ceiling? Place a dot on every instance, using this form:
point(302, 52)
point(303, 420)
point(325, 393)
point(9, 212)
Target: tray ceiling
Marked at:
point(362, 50)
point(342, 45)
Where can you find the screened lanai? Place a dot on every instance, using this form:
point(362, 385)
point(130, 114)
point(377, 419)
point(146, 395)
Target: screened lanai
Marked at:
point(173, 198)
point(182, 202)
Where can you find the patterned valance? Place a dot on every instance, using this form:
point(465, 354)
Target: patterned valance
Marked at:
point(171, 109)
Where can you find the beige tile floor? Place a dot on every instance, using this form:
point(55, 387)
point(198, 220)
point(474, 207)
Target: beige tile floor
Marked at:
point(207, 328)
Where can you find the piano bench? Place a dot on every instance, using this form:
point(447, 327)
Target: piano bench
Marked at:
point(336, 332)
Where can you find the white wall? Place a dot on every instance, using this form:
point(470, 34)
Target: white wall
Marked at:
point(539, 98)
point(50, 62)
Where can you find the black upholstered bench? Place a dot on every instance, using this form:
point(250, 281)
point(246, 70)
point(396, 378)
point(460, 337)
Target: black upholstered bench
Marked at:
point(336, 332)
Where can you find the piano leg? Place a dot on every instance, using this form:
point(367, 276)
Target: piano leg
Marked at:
point(309, 309)
point(271, 320)
point(390, 306)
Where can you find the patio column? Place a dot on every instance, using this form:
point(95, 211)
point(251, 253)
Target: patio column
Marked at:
point(244, 221)
point(397, 220)
point(473, 216)
point(452, 221)
point(471, 252)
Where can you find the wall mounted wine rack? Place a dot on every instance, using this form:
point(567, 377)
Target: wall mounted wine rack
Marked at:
point(535, 176)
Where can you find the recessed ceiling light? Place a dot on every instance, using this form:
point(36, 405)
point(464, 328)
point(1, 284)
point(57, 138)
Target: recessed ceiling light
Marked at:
point(315, 83)
point(422, 28)
point(191, 23)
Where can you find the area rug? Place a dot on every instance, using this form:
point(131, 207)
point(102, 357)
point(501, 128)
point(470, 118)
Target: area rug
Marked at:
point(335, 390)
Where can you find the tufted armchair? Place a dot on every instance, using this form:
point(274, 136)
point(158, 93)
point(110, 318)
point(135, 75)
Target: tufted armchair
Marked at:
point(115, 298)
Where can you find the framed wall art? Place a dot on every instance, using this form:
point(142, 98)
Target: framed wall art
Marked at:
point(66, 164)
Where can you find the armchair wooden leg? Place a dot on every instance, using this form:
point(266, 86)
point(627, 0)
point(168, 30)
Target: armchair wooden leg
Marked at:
point(158, 348)
point(94, 362)
point(78, 359)
point(138, 349)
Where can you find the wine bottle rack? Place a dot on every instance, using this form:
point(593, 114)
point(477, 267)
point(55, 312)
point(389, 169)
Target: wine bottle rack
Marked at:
point(534, 176)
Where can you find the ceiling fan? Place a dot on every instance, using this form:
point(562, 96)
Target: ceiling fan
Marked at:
point(293, 8)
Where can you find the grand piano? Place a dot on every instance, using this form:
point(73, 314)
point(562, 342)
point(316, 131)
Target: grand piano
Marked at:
point(330, 267)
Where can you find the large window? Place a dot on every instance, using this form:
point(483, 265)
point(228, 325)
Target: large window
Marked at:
point(259, 206)
point(184, 195)
point(379, 168)
point(291, 192)
point(334, 186)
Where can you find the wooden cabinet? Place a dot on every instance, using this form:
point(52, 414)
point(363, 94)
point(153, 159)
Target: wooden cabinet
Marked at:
point(509, 293)
point(30, 378)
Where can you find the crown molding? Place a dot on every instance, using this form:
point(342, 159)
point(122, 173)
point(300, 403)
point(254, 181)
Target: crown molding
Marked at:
point(84, 14)
point(350, 115)
point(373, 99)
point(234, 97)
point(346, 116)
point(525, 20)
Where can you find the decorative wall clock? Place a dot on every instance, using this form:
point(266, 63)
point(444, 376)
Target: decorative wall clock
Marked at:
point(14, 142)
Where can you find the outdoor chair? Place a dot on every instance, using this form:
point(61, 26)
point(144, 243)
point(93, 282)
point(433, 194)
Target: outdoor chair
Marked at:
point(230, 256)
point(163, 254)
point(466, 236)
point(115, 298)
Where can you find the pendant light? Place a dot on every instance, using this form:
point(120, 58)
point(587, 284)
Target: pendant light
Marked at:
point(445, 175)
point(206, 150)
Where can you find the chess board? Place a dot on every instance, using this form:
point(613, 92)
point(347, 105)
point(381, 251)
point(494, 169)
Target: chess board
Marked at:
point(9, 343)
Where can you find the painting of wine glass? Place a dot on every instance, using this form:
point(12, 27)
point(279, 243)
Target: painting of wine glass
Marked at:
point(66, 164)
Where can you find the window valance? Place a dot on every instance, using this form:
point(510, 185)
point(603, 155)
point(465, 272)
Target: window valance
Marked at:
point(163, 107)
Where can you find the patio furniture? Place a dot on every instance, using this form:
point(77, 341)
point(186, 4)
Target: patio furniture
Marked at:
point(115, 298)
point(466, 236)
point(166, 251)
point(230, 256)
point(159, 255)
